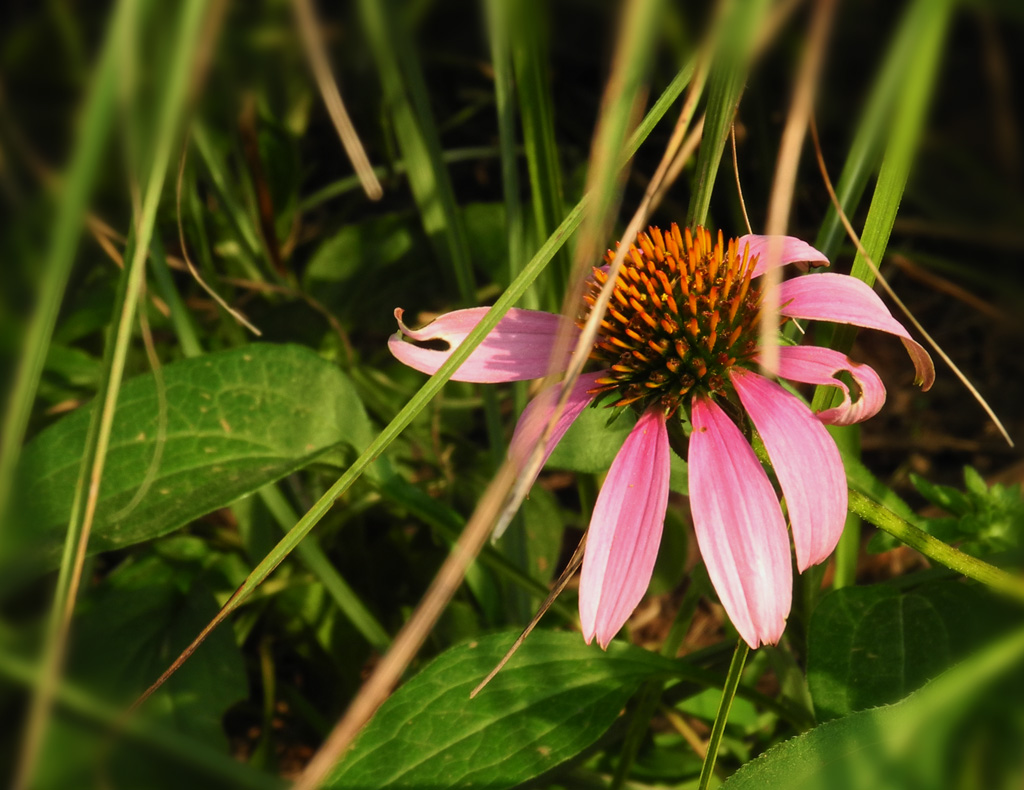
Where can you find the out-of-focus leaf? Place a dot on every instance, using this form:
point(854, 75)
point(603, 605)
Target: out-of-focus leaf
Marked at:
point(873, 645)
point(554, 698)
point(127, 631)
point(914, 743)
point(543, 522)
point(235, 421)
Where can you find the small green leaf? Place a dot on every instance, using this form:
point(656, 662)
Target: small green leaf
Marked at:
point(235, 420)
point(591, 444)
point(553, 699)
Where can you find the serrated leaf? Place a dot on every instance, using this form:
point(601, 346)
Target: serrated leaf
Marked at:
point(553, 699)
point(236, 420)
point(873, 645)
point(914, 743)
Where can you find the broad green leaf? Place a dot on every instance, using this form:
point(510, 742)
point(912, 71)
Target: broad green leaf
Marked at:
point(873, 645)
point(554, 698)
point(235, 420)
point(916, 743)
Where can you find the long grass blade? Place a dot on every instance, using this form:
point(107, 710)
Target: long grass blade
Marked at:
point(91, 474)
point(77, 185)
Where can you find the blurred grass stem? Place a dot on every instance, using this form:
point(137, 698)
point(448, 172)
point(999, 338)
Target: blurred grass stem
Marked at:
point(91, 474)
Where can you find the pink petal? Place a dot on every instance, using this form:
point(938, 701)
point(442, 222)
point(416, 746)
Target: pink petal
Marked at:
point(806, 462)
point(790, 250)
point(535, 416)
point(847, 300)
point(739, 525)
point(815, 365)
point(625, 530)
point(518, 348)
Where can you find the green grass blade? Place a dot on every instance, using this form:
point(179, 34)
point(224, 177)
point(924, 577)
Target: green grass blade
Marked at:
point(407, 101)
point(869, 139)
point(529, 57)
point(97, 119)
point(313, 556)
point(626, 87)
point(930, 20)
point(733, 44)
point(171, 111)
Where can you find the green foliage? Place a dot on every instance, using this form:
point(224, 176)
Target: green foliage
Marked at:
point(553, 699)
point(307, 486)
point(915, 743)
point(983, 519)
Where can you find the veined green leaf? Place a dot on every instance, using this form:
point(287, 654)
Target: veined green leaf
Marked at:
point(235, 421)
point(554, 698)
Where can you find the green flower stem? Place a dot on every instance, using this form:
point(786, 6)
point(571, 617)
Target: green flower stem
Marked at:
point(732, 682)
point(935, 549)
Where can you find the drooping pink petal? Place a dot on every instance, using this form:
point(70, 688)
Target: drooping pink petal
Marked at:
point(847, 300)
point(791, 250)
point(739, 525)
point(517, 349)
point(535, 416)
point(625, 530)
point(806, 462)
point(816, 365)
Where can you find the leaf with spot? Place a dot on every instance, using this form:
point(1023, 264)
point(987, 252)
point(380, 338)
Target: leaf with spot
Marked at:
point(553, 699)
point(235, 420)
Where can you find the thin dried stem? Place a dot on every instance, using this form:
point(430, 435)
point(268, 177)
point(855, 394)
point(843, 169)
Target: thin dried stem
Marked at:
point(736, 172)
point(236, 314)
point(409, 640)
point(892, 294)
point(313, 41)
point(556, 589)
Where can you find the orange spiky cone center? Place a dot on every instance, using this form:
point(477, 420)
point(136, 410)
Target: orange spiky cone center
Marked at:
point(682, 313)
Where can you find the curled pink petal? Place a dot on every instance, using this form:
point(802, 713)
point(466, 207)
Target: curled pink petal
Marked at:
point(790, 250)
point(535, 417)
point(625, 530)
point(815, 365)
point(847, 300)
point(518, 348)
point(806, 462)
point(739, 525)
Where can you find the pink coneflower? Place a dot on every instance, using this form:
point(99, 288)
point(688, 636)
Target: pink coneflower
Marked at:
point(679, 340)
